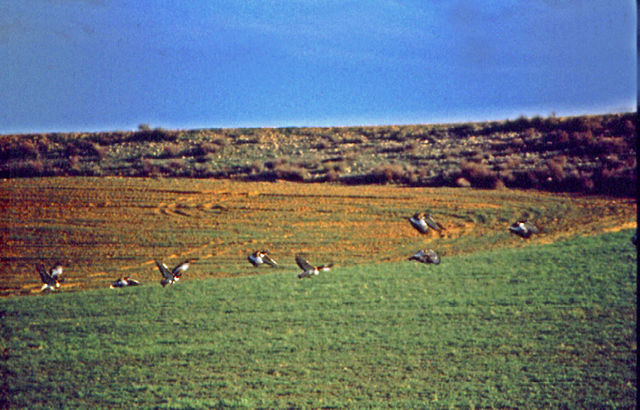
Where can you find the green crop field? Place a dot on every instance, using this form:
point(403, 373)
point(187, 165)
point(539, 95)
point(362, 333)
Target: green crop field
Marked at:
point(543, 325)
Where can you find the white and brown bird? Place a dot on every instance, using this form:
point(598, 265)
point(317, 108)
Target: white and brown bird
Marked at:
point(51, 278)
point(423, 221)
point(523, 228)
point(308, 269)
point(170, 277)
point(426, 256)
point(124, 281)
point(259, 257)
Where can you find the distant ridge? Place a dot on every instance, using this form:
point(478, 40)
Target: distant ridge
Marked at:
point(591, 154)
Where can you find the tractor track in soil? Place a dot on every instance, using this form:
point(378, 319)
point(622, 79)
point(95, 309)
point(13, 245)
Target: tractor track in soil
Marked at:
point(103, 228)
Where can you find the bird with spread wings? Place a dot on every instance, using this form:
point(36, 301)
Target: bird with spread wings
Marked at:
point(423, 221)
point(169, 277)
point(308, 269)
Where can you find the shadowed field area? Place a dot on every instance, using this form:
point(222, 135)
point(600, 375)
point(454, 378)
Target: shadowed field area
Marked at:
point(102, 228)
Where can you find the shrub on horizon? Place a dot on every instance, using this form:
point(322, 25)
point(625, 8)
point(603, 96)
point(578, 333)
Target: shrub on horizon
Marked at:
point(479, 175)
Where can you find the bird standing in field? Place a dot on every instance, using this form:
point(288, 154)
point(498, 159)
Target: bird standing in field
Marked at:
point(124, 281)
point(422, 221)
point(426, 256)
point(51, 278)
point(259, 257)
point(308, 269)
point(170, 277)
point(523, 228)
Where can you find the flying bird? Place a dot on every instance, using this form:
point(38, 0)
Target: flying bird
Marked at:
point(51, 278)
point(124, 281)
point(308, 269)
point(259, 257)
point(523, 228)
point(422, 221)
point(426, 256)
point(170, 277)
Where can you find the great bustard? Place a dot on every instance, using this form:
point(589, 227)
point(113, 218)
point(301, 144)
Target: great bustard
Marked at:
point(422, 221)
point(170, 277)
point(124, 281)
point(51, 278)
point(523, 228)
point(259, 257)
point(426, 256)
point(308, 269)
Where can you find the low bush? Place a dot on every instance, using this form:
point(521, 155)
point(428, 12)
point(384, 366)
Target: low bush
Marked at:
point(85, 148)
point(155, 135)
point(384, 174)
point(148, 168)
point(19, 149)
point(331, 175)
point(290, 172)
point(389, 173)
point(211, 147)
point(556, 167)
point(256, 167)
point(171, 150)
point(479, 175)
point(24, 168)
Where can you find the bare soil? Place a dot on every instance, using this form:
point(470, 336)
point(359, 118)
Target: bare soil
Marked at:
point(103, 228)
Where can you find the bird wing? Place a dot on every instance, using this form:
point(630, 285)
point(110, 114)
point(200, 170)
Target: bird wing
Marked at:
point(180, 269)
point(521, 230)
point(303, 264)
point(44, 275)
point(269, 261)
point(433, 224)
point(56, 271)
point(164, 270)
point(325, 266)
point(515, 228)
point(419, 255)
point(531, 228)
point(418, 223)
point(433, 256)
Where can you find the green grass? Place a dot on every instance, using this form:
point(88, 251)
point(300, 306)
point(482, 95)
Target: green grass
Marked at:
point(533, 327)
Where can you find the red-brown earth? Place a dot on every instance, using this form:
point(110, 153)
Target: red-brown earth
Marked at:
point(103, 228)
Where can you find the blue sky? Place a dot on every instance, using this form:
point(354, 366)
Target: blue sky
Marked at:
point(89, 65)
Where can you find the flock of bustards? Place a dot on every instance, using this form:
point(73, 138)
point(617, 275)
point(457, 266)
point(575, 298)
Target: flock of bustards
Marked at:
point(423, 222)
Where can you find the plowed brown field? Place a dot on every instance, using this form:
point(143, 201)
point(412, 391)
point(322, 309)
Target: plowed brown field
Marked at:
point(103, 228)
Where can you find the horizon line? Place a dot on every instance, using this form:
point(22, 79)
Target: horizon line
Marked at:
point(451, 121)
